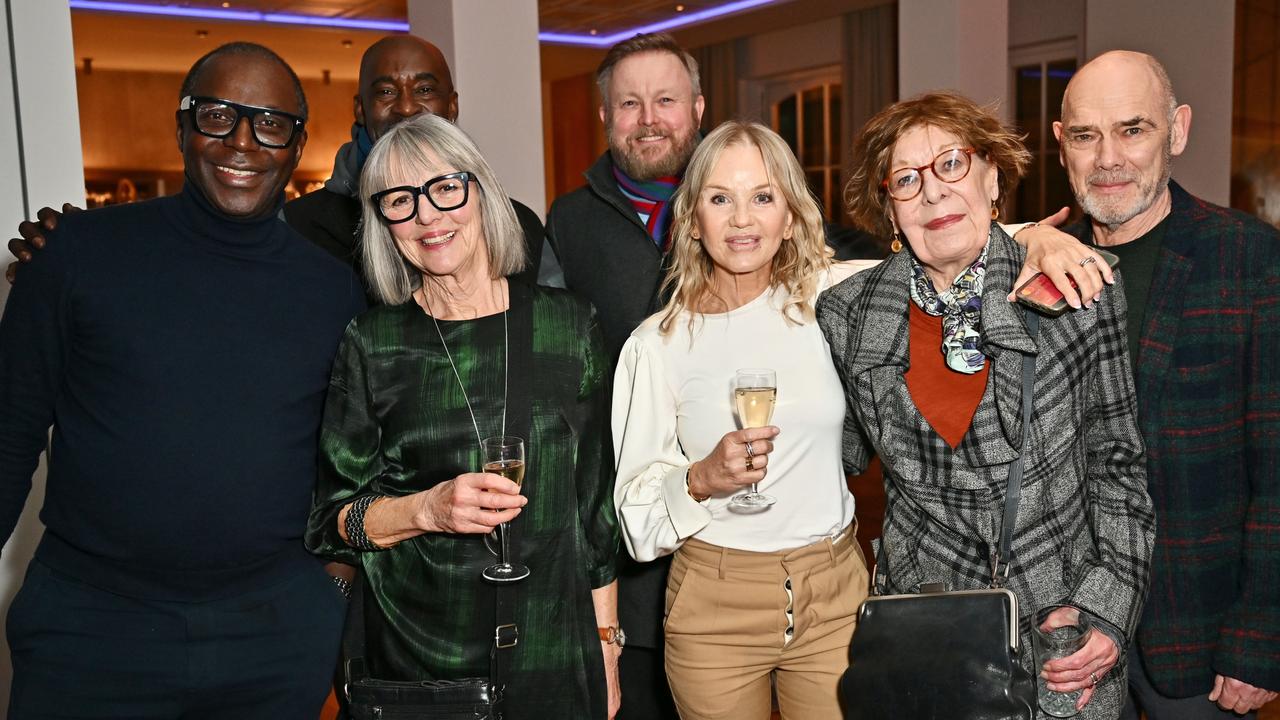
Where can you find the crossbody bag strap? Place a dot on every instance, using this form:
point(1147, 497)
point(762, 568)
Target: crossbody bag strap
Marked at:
point(353, 663)
point(1013, 491)
point(520, 294)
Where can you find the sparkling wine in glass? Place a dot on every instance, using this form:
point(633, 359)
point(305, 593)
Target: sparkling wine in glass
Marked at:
point(504, 455)
point(755, 391)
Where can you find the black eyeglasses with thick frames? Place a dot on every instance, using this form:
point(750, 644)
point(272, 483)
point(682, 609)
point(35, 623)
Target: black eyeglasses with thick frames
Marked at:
point(446, 192)
point(950, 166)
point(216, 118)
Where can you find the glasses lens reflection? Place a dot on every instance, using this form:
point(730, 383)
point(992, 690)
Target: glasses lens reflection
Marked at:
point(447, 192)
point(269, 128)
point(949, 166)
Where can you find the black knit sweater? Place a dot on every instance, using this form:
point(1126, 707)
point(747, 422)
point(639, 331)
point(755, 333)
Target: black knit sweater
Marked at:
point(182, 357)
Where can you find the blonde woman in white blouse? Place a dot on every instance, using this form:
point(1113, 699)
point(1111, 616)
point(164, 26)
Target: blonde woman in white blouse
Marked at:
point(747, 595)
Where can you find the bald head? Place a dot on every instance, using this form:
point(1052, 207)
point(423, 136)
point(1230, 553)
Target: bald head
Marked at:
point(402, 76)
point(1123, 71)
point(1120, 130)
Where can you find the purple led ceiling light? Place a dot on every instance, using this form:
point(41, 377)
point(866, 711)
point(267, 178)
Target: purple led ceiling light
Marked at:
point(253, 16)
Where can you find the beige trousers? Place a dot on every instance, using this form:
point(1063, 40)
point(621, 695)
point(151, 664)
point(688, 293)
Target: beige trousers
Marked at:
point(734, 618)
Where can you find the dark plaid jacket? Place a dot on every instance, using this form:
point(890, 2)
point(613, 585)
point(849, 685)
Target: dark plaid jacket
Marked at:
point(1208, 378)
point(1084, 530)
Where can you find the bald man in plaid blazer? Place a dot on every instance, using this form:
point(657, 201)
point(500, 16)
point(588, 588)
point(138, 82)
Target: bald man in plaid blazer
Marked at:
point(1204, 287)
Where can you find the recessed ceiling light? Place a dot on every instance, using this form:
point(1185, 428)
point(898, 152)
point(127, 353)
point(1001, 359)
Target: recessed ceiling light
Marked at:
point(593, 31)
point(679, 8)
point(202, 33)
point(346, 43)
point(226, 4)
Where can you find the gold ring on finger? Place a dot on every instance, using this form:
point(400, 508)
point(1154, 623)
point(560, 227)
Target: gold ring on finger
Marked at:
point(1093, 677)
point(751, 463)
point(1087, 260)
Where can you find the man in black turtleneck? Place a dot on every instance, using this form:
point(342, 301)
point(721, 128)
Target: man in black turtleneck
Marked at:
point(181, 349)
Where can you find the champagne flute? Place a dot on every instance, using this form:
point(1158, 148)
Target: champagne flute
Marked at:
point(755, 391)
point(504, 455)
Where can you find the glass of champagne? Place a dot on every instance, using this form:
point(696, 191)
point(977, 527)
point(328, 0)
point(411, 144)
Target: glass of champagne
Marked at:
point(504, 455)
point(755, 390)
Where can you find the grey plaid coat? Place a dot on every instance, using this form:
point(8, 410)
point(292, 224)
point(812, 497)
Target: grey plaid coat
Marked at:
point(1085, 525)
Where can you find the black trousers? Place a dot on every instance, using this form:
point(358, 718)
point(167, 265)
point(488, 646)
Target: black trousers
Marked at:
point(645, 693)
point(81, 652)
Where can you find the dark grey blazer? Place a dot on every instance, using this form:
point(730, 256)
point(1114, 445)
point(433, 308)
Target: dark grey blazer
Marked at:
point(1085, 526)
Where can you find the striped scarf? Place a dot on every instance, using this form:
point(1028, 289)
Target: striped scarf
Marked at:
point(652, 202)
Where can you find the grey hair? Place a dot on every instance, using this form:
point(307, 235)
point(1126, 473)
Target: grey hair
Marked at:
point(400, 158)
point(1166, 85)
point(642, 43)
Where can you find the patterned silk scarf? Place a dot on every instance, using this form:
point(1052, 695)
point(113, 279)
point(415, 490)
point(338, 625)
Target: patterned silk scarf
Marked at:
point(652, 201)
point(961, 309)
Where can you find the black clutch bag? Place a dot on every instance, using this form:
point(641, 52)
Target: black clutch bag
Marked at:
point(369, 698)
point(947, 655)
point(952, 655)
point(467, 699)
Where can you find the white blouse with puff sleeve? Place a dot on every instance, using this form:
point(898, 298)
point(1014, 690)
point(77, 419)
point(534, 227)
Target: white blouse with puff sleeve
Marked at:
point(673, 402)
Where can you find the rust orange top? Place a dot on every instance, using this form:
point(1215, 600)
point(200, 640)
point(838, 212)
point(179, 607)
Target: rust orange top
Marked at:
point(947, 399)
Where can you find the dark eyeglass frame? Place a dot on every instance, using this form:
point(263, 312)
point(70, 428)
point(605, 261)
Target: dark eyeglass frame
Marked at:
point(933, 167)
point(465, 176)
point(190, 103)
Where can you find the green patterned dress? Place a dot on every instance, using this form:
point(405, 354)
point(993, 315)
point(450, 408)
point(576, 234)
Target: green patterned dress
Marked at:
point(396, 423)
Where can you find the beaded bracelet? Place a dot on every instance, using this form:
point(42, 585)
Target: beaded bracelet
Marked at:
point(343, 586)
point(354, 524)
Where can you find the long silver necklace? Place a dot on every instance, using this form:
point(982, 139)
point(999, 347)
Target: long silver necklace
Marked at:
point(506, 369)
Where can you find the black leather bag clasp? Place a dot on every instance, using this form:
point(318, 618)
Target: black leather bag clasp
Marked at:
point(951, 655)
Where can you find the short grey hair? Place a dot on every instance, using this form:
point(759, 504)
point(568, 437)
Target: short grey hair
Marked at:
point(400, 158)
point(643, 43)
point(1166, 85)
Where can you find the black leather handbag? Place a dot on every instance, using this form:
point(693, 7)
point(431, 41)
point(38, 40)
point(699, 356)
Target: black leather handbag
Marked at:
point(465, 699)
point(940, 655)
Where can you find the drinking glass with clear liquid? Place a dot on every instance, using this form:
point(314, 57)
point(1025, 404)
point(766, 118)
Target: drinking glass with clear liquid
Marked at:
point(755, 391)
point(1061, 639)
point(504, 455)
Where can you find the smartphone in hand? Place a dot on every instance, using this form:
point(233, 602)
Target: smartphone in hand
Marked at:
point(1039, 293)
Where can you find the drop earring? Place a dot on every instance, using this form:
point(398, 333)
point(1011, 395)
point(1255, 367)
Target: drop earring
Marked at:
point(896, 244)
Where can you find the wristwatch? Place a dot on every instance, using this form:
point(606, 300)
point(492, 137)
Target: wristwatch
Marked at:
point(612, 635)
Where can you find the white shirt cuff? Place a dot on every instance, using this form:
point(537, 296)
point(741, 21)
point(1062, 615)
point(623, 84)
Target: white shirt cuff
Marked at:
point(687, 515)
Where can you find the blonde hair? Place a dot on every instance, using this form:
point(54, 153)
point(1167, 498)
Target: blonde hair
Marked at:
point(401, 154)
point(800, 258)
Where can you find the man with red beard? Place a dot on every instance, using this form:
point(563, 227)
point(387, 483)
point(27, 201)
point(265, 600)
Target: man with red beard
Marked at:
point(1203, 290)
point(610, 239)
